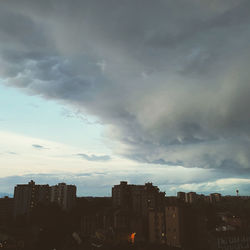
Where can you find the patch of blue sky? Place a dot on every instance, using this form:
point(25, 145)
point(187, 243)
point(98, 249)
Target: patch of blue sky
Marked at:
point(36, 117)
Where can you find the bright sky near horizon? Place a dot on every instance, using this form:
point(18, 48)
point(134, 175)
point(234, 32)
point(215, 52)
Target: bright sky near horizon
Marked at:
point(91, 97)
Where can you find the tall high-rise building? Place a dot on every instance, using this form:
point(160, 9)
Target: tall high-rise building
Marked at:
point(191, 197)
point(64, 195)
point(174, 226)
point(156, 227)
point(181, 196)
point(138, 203)
point(137, 198)
point(185, 227)
point(28, 196)
point(215, 197)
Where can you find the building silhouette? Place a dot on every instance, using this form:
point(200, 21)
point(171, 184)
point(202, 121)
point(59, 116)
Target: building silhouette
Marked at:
point(174, 225)
point(137, 198)
point(6, 210)
point(134, 215)
point(64, 195)
point(215, 197)
point(132, 205)
point(156, 227)
point(181, 196)
point(191, 197)
point(28, 196)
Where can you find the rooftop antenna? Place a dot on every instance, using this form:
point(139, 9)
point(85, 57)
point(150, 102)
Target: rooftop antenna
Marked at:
point(237, 192)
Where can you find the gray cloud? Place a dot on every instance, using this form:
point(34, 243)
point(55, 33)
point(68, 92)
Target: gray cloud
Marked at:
point(9, 153)
point(95, 157)
point(78, 115)
point(12, 153)
point(37, 146)
point(169, 79)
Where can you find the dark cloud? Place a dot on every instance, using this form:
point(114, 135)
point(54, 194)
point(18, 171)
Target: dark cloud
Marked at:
point(169, 163)
point(169, 79)
point(95, 157)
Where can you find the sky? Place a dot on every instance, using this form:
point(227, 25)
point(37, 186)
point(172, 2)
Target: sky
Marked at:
point(94, 92)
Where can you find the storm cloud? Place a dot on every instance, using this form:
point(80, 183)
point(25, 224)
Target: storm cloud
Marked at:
point(168, 79)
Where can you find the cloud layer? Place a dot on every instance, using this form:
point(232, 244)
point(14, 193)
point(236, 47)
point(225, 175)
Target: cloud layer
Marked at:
point(169, 79)
point(95, 157)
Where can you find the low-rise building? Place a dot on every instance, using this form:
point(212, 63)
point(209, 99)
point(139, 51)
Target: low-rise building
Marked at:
point(230, 240)
point(6, 210)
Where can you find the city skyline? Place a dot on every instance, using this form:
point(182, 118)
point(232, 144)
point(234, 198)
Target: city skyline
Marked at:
point(176, 194)
point(93, 92)
point(135, 216)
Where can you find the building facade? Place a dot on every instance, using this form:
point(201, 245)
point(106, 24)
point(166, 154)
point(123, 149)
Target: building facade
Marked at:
point(156, 227)
point(64, 195)
point(6, 210)
point(174, 224)
point(135, 206)
point(138, 199)
point(215, 197)
point(28, 196)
